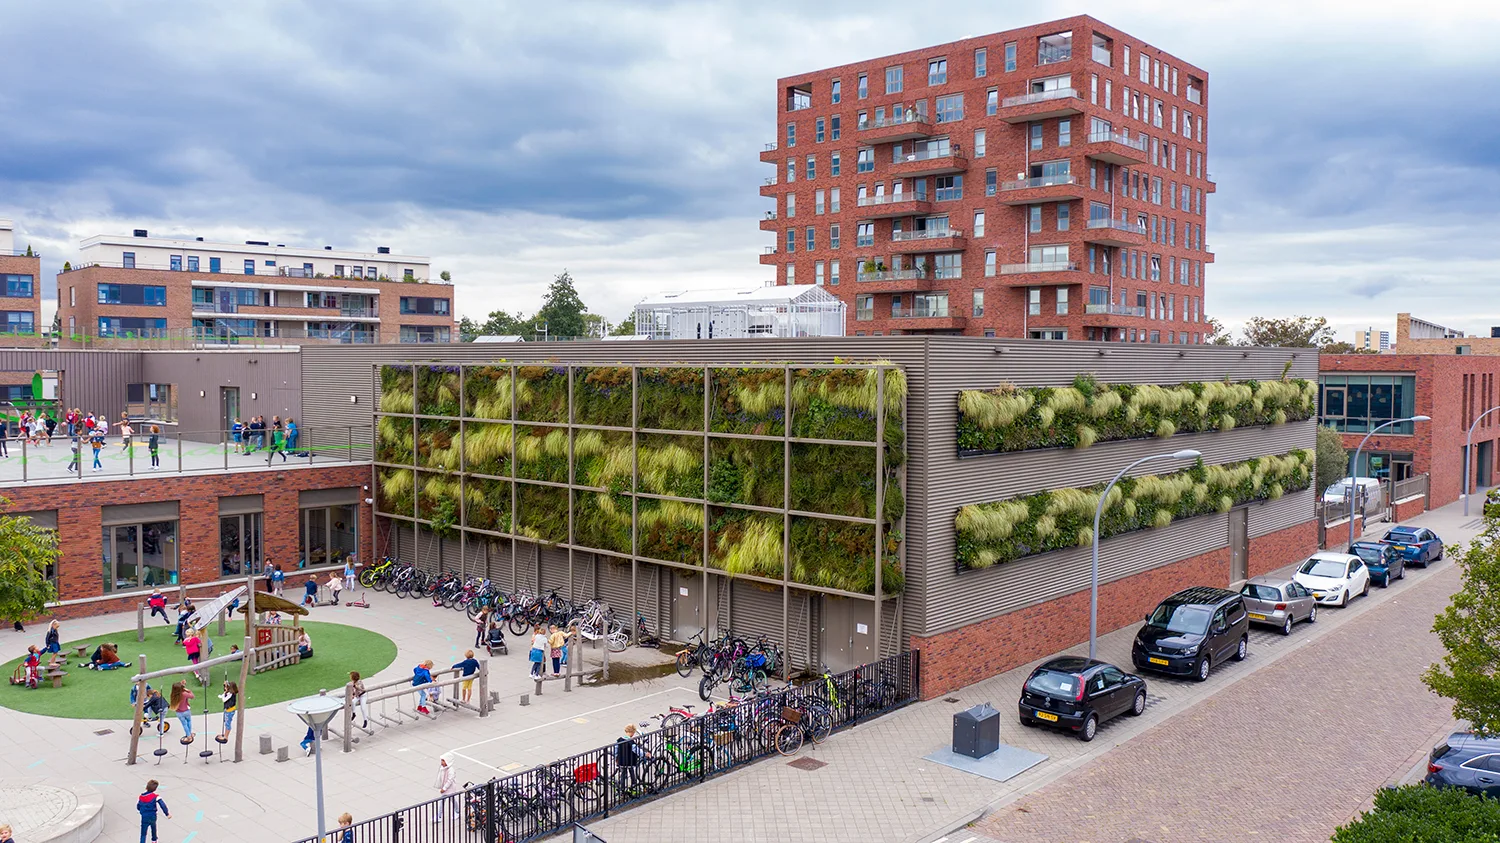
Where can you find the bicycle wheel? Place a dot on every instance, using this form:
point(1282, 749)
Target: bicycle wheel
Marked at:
point(517, 624)
point(617, 642)
point(706, 687)
point(367, 578)
point(789, 739)
point(685, 664)
point(403, 590)
point(821, 725)
point(703, 760)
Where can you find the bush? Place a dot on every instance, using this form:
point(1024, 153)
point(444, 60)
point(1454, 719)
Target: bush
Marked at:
point(1424, 814)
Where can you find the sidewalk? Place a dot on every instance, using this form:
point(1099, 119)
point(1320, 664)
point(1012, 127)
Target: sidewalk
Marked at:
point(878, 787)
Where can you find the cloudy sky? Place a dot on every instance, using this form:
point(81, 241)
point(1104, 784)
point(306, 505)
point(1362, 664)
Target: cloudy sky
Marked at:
point(1354, 144)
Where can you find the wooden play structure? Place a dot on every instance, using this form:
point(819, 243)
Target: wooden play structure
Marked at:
point(275, 643)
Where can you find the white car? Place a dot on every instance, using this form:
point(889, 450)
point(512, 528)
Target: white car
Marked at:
point(1333, 578)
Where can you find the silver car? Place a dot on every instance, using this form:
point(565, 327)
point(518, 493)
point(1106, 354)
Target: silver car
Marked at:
point(1279, 602)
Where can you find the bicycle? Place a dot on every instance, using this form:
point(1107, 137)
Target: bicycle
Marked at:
point(681, 759)
point(694, 655)
point(372, 575)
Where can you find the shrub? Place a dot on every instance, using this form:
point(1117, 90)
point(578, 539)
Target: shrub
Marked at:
point(1422, 814)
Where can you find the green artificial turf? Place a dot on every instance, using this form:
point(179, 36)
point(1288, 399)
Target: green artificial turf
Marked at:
point(105, 694)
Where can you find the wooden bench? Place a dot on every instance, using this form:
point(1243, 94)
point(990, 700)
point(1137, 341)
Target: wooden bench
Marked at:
point(56, 675)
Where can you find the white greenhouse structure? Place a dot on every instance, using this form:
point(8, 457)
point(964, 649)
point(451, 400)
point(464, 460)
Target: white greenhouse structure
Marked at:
point(769, 311)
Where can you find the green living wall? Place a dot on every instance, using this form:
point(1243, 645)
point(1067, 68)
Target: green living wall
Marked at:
point(1004, 531)
point(1010, 418)
point(671, 485)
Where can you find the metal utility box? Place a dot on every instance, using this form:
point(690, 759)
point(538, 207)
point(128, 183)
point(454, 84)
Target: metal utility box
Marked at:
point(976, 731)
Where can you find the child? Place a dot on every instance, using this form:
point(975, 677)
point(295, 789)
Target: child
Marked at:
point(153, 445)
point(357, 688)
point(346, 829)
point(420, 675)
point(155, 709)
point(273, 618)
point(96, 441)
point(336, 585)
point(185, 610)
point(33, 665)
point(181, 703)
point(231, 700)
point(194, 645)
point(54, 639)
point(158, 603)
point(469, 666)
point(278, 580)
point(311, 586)
point(8, 836)
point(496, 639)
point(106, 657)
point(73, 463)
point(147, 804)
point(237, 431)
point(556, 640)
point(349, 573)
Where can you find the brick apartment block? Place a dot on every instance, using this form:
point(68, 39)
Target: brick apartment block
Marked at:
point(20, 292)
point(1045, 182)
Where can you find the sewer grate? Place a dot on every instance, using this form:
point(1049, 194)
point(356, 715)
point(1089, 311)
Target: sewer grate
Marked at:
point(950, 699)
point(105, 732)
point(807, 764)
point(928, 799)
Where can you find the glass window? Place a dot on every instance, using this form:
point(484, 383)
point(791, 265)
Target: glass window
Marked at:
point(1010, 57)
point(817, 268)
point(893, 80)
point(791, 170)
point(991, 102)
point(978, 302)
point(989, 264)
point(174, 263)
point(948, 187)
point(1036, 136)
point(812, 238)
point(989, 182)
point(833, 273)
point(240, 543)
point(791, 240)
point(834, 166)
point(865, 234)
point(950, 108)
point(979, 223)
point(1062, 301)
point(833, 129)
point(1062, 216)
point(981, 62)
point(818, 130)
point(937, 72)
point(837, 91)
point(249, 266)
point(979, 143)
point(329, 534)
point(791, 135)
point(1034, 218)
point(1065, 133)
point(812, 167)
point(864, 86)
point(18, 286)
point(424, 333)
point(833, 234)
point(866, 161)
point(818, 201)
point(1034, 301)
point(139, 555)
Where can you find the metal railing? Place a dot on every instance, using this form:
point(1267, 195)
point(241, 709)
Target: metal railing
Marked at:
point(900, 118)
point(20, 253)
point(955, 152)
point(1137, 144)
point(1115, 309)
point(921, 312)
point(1042, 266)
point(892, 275)
point(548, 799)
point(1411, 487)
point(770, 147)
point(66, 457)
point(889, 199)
point(1040, 181)
point(770, 182)
point(1117, 225)
point(276, 272)
point(925, 234)
point(1041, 96)
point(194, 338)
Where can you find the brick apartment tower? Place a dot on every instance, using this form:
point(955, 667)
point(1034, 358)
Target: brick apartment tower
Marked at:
point(20, 295)
point(1044, 182)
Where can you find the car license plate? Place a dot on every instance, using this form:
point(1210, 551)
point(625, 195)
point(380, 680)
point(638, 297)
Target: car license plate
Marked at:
point(1050, 718)
point(1155, 660)
point(1255, 617)
point(1402, 547)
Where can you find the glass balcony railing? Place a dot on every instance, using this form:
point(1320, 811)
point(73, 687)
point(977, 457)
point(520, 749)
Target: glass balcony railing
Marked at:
point(900, 118)
point(1115, 309)
point(1041, 96)
point(1042, 266)
point(1137, 144)
point(926, 234)
point(1040, 181)
point(935, 310)
point(890, 199)
point(892, 275)
point(1053, 53)
point(1117, 225)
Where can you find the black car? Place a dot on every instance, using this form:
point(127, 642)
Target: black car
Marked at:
point(1468, 761)
point(1079, 694)
point(1192, 631)
point(1382, 560)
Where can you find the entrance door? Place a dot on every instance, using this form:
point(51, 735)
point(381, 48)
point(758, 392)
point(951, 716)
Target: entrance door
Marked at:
point(1486, 454)
point(229, 407)
point(848, 636)
point(687, 605)
point(1239, 545)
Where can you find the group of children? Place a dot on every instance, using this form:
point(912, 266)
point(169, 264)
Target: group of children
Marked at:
point(95, 429)
point(251, 437)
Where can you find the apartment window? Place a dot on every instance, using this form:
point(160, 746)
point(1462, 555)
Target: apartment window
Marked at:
point(1065, 133)
point(1034, 218)
point(818, 202)
point(174, 263)
point(866, 161)
point(812, 238)
point(1062, 216)
point(791, 170)
point(1145, 73)
point(937, 72)
point(1034, 301)
point(833, 273)
point(791, 205)
point(1036, 136)
point(17, 322)
point(978, 303)
point(989, 182)
point(864, 234)
point(1195, 90)
point(1172, 157)
point(213, 265)
point(893, 80)
point(127, 260)
point(1101, 47)
point(1156, 111)
point(818, 127)
point(989, 264)
point(192, 263)
point(1109, 94)
point(1099, 297)
point(837, 92)
point(1155, 73)
point(833, 128)
point(1156, 189)
point(422, 305)
point(1047, 254)
point(1062, 301)
point(1010, 57)
point(817, 269)
point(979, 223)
point(1174, 81)
point(991, 102)
point(791, 240)
point(791, 275)
point(132, 294)
point(979, 143)
point(950, 108)
point(1172, 307)
point(19, 286)
point(1093, 89)
point(833, 236)
point(791, 135)
point(947, 265)
point(864, 86)
point(249, 267)
point(1156, 157)
point(1156, 267)
point(1106, 260)
point(981, 62)
point(1093, 259)
point(834, 165)
point(812, 167)
point(1173, 124)
point(131, 326)
point(948, 187)
point(1125, 65)
point(424, 334)
point(833, 200)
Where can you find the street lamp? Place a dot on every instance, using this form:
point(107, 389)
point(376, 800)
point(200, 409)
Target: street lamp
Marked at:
point(316, 712)
point(1098, 513)
point(1354, 466)
point(1468, 444)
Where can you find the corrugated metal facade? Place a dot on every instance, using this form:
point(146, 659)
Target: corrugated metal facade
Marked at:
point(93, 381)
point(273, 377)
point(938, 482)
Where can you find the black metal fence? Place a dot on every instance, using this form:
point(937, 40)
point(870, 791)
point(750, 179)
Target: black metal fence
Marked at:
point(547, 800)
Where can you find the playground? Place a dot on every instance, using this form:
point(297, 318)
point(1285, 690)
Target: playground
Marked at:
point(105, 694)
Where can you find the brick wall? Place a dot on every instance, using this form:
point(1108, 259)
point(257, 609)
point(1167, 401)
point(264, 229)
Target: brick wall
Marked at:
point(1409, 508)
point(22, 265)
point(960, 657)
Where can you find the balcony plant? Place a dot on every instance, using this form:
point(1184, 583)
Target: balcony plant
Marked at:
point(994, 533)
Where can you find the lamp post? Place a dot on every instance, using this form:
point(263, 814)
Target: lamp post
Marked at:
point(1468, 444)
point(1354, 466)
point(316, 712)
point(1098, 513)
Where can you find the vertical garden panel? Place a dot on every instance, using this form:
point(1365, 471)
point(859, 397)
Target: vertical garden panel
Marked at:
point(745, 543)
point(437, 391)
point(670, 530)
point(671, 465)
point(487, 448)
point(487, 392)
point(397, 490)
point(601, 459)
point(487, 504)
point(437, 444)
point(841, 555)
point(745, 471)
point(601, 396)
point(748, 400)
point(671, 398)
point(542, 393)
point(833, 479)
point(542, 513)
point(542, 453)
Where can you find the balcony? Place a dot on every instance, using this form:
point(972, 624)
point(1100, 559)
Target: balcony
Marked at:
point(895, 281)
point(887, 205)
point(1114, 310)
point(927, 318)
point(770, 153)
point(1108, 231)
point(1115, 148)
point(768, 257)
point(1043, 274)
point(908, 125)
point(1064, 187)
point(768, 187)
point(1042, 105)
point(768, 222)
point(924, 163)
point(935, 240)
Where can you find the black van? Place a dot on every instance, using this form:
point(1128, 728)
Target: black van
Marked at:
point(1191, 631)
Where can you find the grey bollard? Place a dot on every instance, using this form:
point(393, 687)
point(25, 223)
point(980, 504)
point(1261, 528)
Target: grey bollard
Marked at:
point(525, 699)
point(539, 686)
point(281, 753)
point(494, 698)
point(265, 745)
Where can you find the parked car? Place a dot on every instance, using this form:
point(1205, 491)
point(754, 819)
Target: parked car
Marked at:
point(1193, 630)
point(1370, 495)
point(1334, 578)
point(1278, 602)
point(1417, 545)
point(1078, 694)
point(1384, 562)
point(1468, 761)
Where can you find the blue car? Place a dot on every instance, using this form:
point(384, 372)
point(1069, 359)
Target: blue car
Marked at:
point(1417, 545)
point(1383, 561)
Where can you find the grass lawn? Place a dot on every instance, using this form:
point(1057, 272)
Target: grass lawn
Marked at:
point(105, 694)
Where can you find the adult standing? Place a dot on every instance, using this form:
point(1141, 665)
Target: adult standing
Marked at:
point(447, 785)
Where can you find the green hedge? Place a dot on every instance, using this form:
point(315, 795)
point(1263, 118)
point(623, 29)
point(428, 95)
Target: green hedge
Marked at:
point(1011, 418)
point(1003, 531)
point(1423, 814)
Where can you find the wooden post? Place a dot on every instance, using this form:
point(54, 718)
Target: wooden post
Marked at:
point(484, 688)
point(250, 608)
point(140, 622)
point(140, 702)
point(247, 652)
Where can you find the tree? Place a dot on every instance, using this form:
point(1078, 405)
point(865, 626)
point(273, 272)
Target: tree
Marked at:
point(1469, 629)
point(1332, 459)
point(626, 328)
point(26, 551)
point(1291, 332)
point(1342, 347)
point(499, 324)
point(1218, 334)
point(446, 276)
point(562, 310)
point(1421, 813)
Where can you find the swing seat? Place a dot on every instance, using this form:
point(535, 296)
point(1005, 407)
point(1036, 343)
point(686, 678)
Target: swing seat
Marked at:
point(160, 752)
point(220, 739)
point(185, 739)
